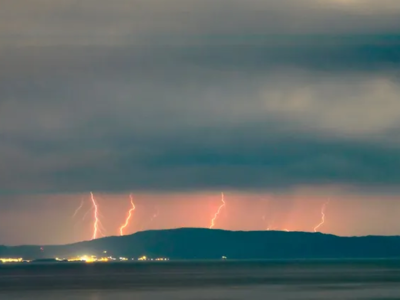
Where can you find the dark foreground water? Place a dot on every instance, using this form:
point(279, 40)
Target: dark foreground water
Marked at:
point(225, 280)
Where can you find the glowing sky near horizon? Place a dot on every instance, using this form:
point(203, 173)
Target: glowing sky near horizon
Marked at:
point(347, 214)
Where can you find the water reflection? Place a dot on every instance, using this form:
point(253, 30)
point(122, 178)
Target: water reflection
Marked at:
point(370, 280)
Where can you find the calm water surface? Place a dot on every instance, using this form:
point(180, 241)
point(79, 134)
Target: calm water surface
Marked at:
point(373, 279)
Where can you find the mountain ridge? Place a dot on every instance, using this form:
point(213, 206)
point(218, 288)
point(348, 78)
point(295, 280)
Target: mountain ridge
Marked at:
point(202, 243)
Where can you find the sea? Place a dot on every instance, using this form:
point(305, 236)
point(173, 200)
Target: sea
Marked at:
point(198, 280)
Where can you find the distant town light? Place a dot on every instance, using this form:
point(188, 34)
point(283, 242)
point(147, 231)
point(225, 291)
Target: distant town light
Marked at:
point(11, 260)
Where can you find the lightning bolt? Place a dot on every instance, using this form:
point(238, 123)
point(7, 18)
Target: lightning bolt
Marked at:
point(101, 229)
point(78, 209)
point(95, 216)
point(322, 216)
point(270, 225)
point(121, 229)
point(76, 212)
point(218, 211)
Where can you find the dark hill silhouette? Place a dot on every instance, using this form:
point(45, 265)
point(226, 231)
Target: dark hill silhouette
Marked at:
point(198, 243)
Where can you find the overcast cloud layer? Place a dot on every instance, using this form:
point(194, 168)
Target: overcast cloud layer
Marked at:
point(198, 95)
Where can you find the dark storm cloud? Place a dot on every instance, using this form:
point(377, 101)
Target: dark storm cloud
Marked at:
point(198, 95)
point(255, 165)
point(122, 21)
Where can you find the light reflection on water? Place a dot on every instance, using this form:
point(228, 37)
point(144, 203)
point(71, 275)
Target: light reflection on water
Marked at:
point(204, 280)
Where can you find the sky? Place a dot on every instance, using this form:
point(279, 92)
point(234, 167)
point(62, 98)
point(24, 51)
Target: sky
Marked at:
point(282, 105)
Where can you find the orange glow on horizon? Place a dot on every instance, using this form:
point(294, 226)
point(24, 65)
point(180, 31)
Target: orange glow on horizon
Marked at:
point(155, 215)
point(297, 210)
point(218, 211)
point(121, 229)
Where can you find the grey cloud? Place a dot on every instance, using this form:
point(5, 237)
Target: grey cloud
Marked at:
point(239, 162)
point(194, 96)
point(124, 89)
point(120, 22)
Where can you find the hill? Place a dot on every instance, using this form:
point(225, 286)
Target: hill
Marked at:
point(199, 243)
